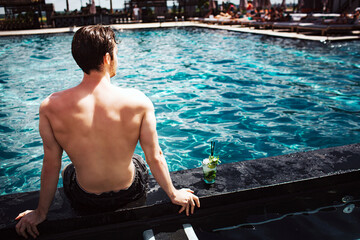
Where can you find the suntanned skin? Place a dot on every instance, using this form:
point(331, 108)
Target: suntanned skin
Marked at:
point(99, 125)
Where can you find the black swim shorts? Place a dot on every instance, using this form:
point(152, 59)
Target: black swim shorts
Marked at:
point(109, 200)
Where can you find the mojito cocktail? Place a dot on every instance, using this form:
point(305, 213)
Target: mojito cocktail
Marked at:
point(209, 166)
point(209, 171)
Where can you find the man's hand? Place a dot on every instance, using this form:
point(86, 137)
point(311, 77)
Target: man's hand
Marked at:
point(186, 199)
point(28, 222)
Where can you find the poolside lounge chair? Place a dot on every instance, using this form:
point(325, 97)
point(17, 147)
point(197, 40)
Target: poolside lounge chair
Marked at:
point(264, 25)
point(292, 26)
point(325, 29)
point(209, 20)
point(334, 28)
point(304, 19)
point(218, 20)
point(243, 22)
point(297, 16)
point(228, 21)
point(312, 27)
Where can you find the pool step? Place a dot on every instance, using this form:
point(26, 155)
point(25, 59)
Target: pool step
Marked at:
point(177, 233)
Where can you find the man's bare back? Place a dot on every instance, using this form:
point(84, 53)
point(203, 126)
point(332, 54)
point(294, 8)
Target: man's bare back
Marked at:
point(98, 125)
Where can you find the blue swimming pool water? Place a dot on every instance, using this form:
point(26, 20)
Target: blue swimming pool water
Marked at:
point(255, 96)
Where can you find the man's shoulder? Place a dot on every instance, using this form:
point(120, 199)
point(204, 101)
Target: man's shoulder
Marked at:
point(135, 96)
point(131, 91)
point(52, 101)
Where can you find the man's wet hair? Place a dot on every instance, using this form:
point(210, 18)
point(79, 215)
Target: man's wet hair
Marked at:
point(90, 44)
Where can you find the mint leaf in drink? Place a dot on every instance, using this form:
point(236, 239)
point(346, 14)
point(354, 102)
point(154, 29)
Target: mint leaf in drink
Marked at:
point(213, 161)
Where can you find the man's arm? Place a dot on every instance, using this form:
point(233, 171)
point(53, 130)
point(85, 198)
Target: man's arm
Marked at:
point(156, 160)
point(49, 179)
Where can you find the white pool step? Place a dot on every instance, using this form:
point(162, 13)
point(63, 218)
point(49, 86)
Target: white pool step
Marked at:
point(187, 231)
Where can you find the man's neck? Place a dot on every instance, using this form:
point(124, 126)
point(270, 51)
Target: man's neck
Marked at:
point(96, 78)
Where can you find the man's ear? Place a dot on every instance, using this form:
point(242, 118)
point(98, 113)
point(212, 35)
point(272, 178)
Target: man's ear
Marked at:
point(107, 58)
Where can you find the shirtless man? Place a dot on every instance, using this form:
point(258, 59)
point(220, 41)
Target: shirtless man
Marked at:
point(98, 125)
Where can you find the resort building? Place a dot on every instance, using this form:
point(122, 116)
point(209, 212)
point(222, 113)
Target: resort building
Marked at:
point(25, 14)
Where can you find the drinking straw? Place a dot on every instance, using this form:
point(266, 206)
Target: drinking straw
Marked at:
point(212, 148)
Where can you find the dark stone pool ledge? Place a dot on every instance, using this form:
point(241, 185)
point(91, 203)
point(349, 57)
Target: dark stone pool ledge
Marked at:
point(246, 189)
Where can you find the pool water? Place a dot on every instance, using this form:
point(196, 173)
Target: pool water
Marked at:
point(255, 96)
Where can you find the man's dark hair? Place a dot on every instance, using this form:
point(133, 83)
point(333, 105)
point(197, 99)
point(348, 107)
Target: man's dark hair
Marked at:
point(90, 44)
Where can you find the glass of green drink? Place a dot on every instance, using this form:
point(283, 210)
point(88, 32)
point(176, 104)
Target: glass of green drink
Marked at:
point(209, 166)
